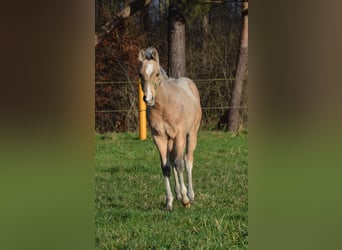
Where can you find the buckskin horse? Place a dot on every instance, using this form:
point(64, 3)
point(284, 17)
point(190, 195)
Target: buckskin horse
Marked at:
point(174, 115)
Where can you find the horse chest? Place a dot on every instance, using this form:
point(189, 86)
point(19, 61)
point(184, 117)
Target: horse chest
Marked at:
point(161, 124)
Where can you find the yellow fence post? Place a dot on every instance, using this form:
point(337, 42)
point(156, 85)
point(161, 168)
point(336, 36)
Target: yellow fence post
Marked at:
point(142, 114)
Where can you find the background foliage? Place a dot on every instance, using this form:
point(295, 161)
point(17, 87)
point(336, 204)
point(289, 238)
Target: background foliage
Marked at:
point(212, 46)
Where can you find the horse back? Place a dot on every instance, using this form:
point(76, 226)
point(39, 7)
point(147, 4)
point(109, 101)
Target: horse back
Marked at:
point(177, 108)
point(185, 101)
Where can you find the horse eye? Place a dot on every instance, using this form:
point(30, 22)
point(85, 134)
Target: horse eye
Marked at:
point(157, 74)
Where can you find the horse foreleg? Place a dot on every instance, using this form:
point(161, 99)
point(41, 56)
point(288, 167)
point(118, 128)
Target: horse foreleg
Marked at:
point(169, 196)
point(189, 158)
point(183, 189)
point(162, 147)
point(191, 193)
point(177, 186)
point(179, 165)
point(175, 174)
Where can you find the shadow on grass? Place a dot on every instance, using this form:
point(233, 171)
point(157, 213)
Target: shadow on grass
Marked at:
point(120, 136)
point(111, 170)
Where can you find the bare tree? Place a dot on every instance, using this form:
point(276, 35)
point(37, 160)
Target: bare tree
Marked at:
point(177, 66)
point(97, 10)
point(234, 114)
point(125, 13)
point(205, 32)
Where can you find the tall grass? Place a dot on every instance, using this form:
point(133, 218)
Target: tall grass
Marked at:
point(130, 193)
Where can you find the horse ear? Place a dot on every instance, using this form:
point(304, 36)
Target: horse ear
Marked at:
point(142, 56)
point(155, 55)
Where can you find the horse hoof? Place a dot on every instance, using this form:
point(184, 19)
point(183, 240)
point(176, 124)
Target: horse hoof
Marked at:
point(187, 205)
point(168, 207)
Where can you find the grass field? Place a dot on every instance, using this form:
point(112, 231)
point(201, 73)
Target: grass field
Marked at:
point(130, 193)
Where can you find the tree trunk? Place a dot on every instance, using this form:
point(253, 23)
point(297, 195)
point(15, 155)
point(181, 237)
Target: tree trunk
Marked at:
point(125, 13)
point(205, 33)
point(234, 114)
point(97, 10)
point(177, 66)
point(145, 19)
point(161, 10)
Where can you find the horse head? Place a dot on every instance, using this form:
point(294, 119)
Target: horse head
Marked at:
point(149, 72)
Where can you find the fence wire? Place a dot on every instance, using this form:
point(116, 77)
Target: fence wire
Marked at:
point(215, 97)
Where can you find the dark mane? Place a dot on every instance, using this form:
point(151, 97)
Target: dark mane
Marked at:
point(163, 72)
point(148, 53)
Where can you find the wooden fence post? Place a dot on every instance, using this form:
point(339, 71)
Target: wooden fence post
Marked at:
point(142, 114)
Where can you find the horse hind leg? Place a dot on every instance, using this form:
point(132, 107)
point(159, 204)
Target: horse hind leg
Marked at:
point(177, 185)
point(175, 174)
point(172, 160)
point(189, 159)
point(179, 165)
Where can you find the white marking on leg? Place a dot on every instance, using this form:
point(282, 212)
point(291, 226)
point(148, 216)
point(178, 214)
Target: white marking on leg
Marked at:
point(191, 193)
point(185, 199)
point(161, 143)
point(177, 186)
point(169, 196)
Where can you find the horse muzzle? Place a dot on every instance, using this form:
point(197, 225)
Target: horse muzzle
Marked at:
point(149, 101)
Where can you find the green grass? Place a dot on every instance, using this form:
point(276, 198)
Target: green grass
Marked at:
point(130, 193)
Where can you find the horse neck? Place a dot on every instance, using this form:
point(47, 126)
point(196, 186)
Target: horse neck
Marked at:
point(163, 74)
point(163, 78)
point(161, 91)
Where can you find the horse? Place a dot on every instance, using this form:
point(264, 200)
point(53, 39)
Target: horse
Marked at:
point(174, 114)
